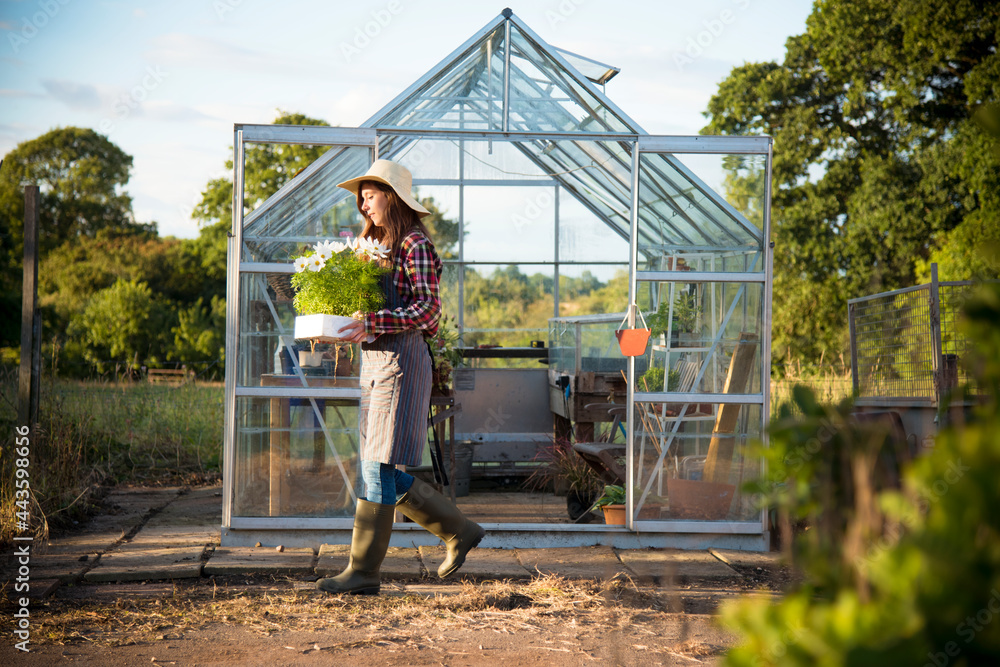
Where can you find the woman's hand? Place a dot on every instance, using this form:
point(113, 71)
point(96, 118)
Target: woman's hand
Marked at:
point(353, 332)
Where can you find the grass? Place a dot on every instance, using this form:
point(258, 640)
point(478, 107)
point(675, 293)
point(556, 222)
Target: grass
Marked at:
point(830, 384)
point(93, 434)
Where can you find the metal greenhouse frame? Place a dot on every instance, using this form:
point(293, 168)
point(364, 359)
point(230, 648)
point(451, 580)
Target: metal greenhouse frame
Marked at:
point(507, 120)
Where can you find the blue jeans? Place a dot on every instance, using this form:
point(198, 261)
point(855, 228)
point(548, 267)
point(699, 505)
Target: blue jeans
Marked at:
point(384, 483)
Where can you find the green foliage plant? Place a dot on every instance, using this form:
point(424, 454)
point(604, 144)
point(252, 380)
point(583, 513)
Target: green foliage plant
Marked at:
point(907, 575)
point(339, 279)
point(614, 494)
point(444, 346)
point(563, 466)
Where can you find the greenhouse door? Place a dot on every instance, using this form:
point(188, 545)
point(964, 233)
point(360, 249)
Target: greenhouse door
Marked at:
point(291, 430)
point(700, 270)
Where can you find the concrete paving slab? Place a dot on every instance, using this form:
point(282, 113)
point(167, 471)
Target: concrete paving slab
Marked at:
point(332, 559)
point(764, 559)
point(668, 564)
point(402, 563)
point(82, 544)
point(171, 536)
point(260, 560)
point(597, 562)
point(109, 592)
point(67, 568)
point(42, 588)
point(479, 564)
point(171, 563)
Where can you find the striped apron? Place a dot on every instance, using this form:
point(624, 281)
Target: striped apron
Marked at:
point(395, 393)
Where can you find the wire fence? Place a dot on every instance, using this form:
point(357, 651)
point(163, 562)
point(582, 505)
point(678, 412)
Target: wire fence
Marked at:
point(906, 344)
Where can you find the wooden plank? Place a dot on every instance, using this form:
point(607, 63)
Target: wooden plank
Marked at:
point(720, 449)
point(27, 403)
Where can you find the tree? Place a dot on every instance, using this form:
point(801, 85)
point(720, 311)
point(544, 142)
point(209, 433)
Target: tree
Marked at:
point(123, 324)
point(81, 176)
point(877, 162)
point(199, 337)
point(267, 168)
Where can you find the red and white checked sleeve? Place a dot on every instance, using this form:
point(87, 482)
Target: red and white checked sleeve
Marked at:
point(416, 274)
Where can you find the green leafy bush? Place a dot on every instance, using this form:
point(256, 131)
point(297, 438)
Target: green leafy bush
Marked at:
point(907, 576)
point(339, 279)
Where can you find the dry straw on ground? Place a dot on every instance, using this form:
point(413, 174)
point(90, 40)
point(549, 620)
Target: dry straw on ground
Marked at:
point(399, 618)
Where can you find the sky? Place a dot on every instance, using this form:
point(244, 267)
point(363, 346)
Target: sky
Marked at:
point(166, 81)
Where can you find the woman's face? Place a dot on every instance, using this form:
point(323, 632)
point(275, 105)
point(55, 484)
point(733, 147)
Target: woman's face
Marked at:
point(374, 203)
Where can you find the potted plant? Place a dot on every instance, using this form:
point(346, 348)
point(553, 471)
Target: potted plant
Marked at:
point(445, 355)
point(332, 282)
point(684, 322)
point(612, 503)
point(565, 471)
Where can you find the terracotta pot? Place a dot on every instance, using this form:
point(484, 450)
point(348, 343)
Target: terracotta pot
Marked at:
point(632, 341)
point(614, 515)
point(697, 500)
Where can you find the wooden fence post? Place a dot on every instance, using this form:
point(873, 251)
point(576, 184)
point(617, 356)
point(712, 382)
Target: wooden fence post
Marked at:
point(29, 375)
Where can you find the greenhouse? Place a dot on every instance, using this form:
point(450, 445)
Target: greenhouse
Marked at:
point(559, 221)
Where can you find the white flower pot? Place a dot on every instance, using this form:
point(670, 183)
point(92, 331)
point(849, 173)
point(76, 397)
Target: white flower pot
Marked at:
point(322, 328)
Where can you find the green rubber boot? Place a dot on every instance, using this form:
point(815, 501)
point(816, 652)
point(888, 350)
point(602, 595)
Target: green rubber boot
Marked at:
point(424, 505)
point(369, 542)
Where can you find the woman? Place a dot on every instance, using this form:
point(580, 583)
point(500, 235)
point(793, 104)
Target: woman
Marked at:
point(396, 386)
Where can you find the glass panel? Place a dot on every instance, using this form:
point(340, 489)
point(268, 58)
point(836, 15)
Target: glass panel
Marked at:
point(509, 224)
point(595, 173)
point(597, 72)
point(467, 94)
point(507, 305)
point(702, 203)
point(584, 237)
point(443, 223)
point(426, 158)
point(265, 297)
point(286, 465)
point(592, 289)
point(690, 464)
point(501, 160)
point(314, 209)
point(711, 331)
point(544, 97)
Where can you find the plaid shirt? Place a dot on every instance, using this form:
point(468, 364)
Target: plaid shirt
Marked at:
point(416, 273)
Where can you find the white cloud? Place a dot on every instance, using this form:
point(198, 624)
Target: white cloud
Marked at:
point(186, 50)
point(74, 95)
point(23, 94)
point(170, 111)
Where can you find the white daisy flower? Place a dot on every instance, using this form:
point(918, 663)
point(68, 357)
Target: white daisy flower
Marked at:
point(371, 249)
point(316, 263)
point(322, 250)
point(301, 264)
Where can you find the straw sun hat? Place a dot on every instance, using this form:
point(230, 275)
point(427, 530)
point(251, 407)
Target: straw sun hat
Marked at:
point(395, 176)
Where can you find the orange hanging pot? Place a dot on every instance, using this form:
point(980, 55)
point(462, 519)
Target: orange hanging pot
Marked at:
point(633, 341)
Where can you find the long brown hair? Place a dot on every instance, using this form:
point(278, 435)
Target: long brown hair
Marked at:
point(399, 218)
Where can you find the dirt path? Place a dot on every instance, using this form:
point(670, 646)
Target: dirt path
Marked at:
point(545, 621)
